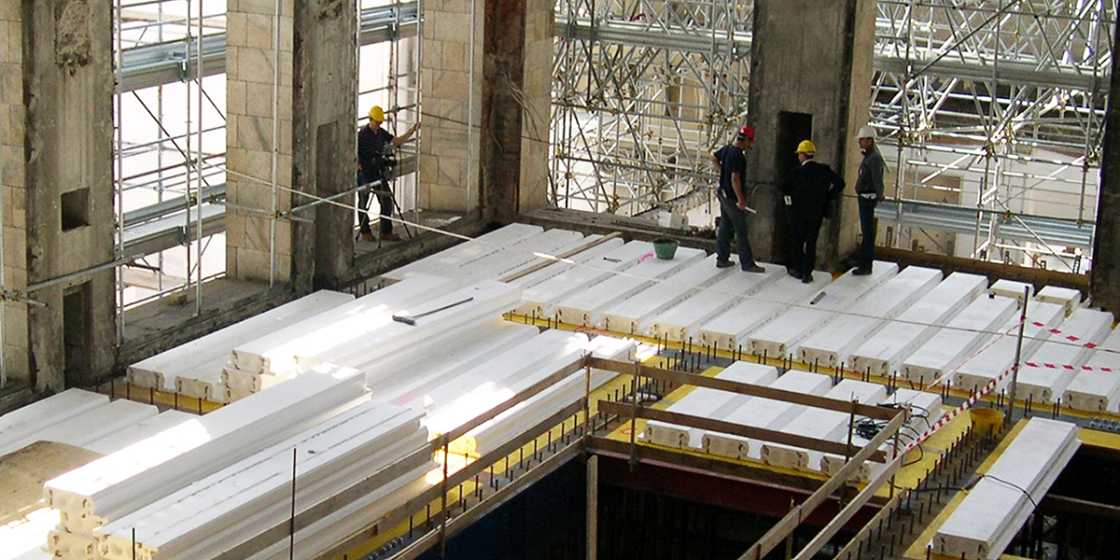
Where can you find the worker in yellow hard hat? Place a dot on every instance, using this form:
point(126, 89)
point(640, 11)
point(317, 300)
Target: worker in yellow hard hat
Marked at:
point(375, 166)
point(810, 191)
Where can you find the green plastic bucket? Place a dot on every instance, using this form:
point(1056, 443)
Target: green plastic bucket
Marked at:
point(665, 249)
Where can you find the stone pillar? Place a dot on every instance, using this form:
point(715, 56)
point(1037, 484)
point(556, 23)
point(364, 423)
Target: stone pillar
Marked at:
point(56, 180)
point(315, 144)
point(1105, 275)
point(516, 107)
point(449, 147)
point(810, 58)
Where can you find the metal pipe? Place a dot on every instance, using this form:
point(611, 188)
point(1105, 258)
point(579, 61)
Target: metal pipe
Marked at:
point(275, 142)
point(198, 175)
point(470, 112)
point(196, 166)
point(159, 152)
point(120, 173)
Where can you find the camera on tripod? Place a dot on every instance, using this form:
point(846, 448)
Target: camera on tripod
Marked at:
point(385, 163)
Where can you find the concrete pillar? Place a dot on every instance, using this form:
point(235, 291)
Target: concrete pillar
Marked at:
point(1105, 274)
point(56, 182)
point(810, 58)
point(516, 106)
point(315, 143)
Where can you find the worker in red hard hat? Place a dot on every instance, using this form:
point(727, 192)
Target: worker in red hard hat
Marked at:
point(731, 160)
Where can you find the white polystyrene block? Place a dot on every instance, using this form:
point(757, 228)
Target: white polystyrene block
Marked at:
point(117, 484)
point(517, 256)
point(986, 521)
point(925, 408)
point(999, 355)
point(468, 252)
point(949, 347)
point(682, 321)
point(1068, 298)
point(708, 403)
point(144, 429)
point(764, 413)
point(1059, 358)
point(90, 425)
point(23, 422)
point(636, 313)
point(832, 345)
point(557, 267)
point(1012, 289)
point(820, 423)
point(1098, 389)
point(729, 330)
point(587, 307)
point(886, 350)
point(540, 300)
point(195, 359)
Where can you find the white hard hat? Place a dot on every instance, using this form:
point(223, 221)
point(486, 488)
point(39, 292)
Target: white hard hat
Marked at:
point(866, 132)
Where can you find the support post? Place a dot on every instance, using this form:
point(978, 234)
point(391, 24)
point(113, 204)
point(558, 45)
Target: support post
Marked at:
point(592, 507)
point(1018, 357)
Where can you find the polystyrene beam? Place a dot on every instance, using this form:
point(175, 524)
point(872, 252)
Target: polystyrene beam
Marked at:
point(831, 346)
point(120, 483)
point(140, 431)
point(90, 425)
point(997, 357)
point(518, 256)
point(991, 513)
point(637, 313)
point(540, 300)
point(465, 253)
point(1012, 289)
point(1061, 357)
point(820, 423)
point(195, 359)
point(275, 352)
point(35, 417)
point(708, 403)
point(588, 306)
point(559, 267)
point(1097, 390)
point(781, 336)
point(682, 321)
point(1066, 297)
point(729, 330)
point(949, 347)
point(764, 413)
point(887, 349)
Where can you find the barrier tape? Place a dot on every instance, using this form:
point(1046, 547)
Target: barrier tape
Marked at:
point(948, 417)
point(1058, 332)
point(1070, 368)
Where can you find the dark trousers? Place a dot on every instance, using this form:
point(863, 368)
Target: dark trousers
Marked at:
point(866, 253)
point(733, 221)
point(384, 200)
point(804, 231)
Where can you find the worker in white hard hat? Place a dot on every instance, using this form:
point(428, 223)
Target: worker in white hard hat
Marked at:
point(809, 191)
point(731, 161)
point(869, 189)
point(375, 161)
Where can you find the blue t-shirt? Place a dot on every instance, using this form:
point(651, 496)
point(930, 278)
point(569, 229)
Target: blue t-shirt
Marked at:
point(731, 160)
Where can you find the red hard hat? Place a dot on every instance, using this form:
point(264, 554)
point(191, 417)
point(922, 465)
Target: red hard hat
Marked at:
point(746, 131)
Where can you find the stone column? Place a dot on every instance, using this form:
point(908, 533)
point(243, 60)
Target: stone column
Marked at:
point(56, 182)
point(812, 58)
point(1105, 287)
point(315, 144)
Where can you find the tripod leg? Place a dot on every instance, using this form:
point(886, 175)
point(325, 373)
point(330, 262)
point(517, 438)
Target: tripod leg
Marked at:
point(393, 198)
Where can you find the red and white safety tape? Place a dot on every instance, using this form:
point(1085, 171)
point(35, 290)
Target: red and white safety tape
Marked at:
point(1069, 368)
point(1058, 332)
point(949, 416)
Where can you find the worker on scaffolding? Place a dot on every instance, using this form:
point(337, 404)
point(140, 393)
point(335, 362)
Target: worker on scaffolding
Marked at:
point(731, 160)
point(869, 189)
point(809, 192)
point(375, 171)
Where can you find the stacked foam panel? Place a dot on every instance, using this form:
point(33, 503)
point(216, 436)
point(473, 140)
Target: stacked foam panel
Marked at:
point(140, 431)
point(588, 307)
point(241, 501)
point(518, 256)
point(682, 322)
point(764, 413)
point(116, 485)
point(997, 357)
point(195, 368)
point(821, 423)
point(536, 409)
point(88, 426)
point(729, 330)
point(832, 345)
point(1011, 289)
point(558, 267)
point(25, 422)
point(636, 313)
point(540, 300)
point(708, 403)
point(896, 341)
point(1058, 359)
point(992, 512)
point(946, 350)
point(1098, 388)
point(465, 253)
point(1068, 298)
point(781, 336)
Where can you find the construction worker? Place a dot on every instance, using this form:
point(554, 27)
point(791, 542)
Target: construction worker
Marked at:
point(810, 191)
point(374, 167)
point(869, 189)
point(732, 164)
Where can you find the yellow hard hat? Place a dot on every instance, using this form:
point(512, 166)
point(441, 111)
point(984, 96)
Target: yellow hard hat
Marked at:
point(806, 147)
point(377, 114)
